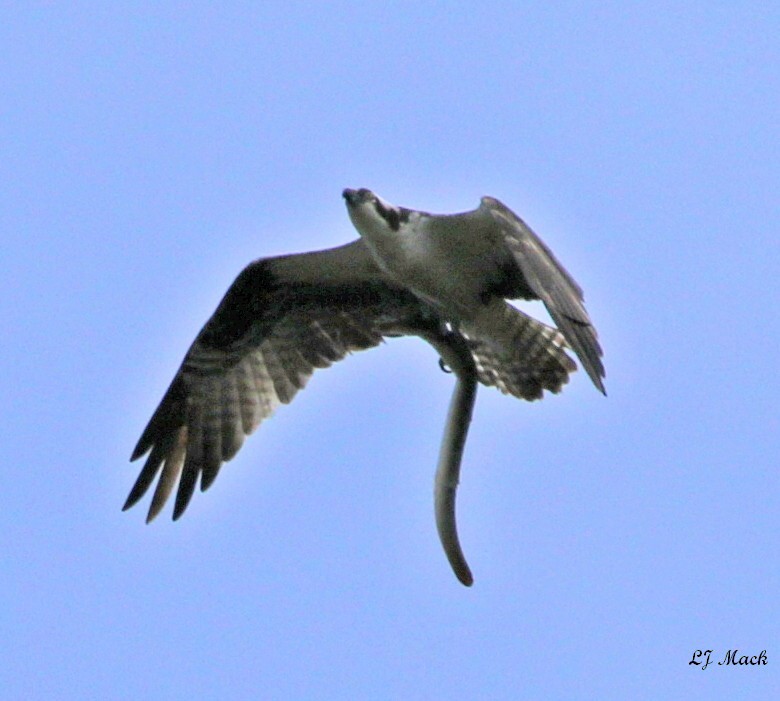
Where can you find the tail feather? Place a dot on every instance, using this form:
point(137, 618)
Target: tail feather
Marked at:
point(515, 353)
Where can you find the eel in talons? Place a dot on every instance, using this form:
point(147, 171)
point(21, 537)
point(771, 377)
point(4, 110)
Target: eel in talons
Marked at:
point(456, 356)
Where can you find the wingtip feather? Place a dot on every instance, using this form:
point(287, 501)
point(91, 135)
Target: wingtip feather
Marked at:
point(129, 503)
point(139, 451)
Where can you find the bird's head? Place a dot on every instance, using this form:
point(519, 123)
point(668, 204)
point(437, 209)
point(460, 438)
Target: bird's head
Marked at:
point(371, 215)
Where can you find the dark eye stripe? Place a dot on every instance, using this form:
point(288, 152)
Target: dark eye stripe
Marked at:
point(393, 216)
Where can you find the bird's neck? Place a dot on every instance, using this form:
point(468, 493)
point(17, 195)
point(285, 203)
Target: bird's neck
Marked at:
point(394, 251)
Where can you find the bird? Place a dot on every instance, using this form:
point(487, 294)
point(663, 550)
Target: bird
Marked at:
point(446, 278)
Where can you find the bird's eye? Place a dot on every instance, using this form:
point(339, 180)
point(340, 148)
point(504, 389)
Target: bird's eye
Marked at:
point(366, 194)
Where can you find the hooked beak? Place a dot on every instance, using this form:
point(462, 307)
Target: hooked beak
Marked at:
point(351, 196)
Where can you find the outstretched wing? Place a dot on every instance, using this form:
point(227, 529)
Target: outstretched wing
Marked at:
point(549, 281)
point(280, 320)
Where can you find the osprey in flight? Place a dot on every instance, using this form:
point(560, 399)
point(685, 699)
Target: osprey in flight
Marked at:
point(445, 278)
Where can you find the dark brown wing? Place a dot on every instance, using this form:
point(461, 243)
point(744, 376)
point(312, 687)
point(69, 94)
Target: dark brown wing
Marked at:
point(280, 320)
point(550, 282)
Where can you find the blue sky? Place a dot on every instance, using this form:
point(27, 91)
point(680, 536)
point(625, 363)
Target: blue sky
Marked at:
point(149, 151)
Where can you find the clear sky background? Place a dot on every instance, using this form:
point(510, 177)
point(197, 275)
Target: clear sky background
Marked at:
point(148, 151)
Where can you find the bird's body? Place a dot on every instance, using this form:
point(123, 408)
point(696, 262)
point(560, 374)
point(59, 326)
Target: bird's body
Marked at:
point(455, 262)
point(445, 278)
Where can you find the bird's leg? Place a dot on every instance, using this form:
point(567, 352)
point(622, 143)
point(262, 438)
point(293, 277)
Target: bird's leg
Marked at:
point(454, 351)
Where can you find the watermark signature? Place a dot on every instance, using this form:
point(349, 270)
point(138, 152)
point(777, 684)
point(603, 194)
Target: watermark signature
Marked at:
point(703, 658)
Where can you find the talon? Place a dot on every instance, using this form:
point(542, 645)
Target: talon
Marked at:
point(444, 367)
